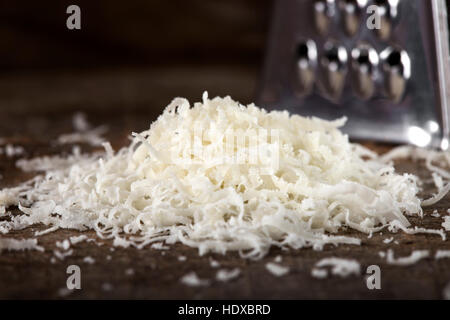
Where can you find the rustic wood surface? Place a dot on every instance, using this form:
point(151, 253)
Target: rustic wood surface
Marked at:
point(37, 108)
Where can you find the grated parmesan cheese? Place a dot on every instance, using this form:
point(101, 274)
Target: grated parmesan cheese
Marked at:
point(339, 267)
point(446, 223)
point(406, 261)
point(62, 255)
point(446, 293)
point(12, 151)
point(388, 240)
point(290, 181)
point(84, 132)
point(65, 244)
point(435, 214)
point(129, 272)
point(227, 275)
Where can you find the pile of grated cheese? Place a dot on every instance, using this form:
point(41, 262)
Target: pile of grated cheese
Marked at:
point(159, 189)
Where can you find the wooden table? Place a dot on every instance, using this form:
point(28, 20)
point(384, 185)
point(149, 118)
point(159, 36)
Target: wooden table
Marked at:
point(37, 108)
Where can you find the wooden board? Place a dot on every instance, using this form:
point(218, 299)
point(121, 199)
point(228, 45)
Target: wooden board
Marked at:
point(157, 273)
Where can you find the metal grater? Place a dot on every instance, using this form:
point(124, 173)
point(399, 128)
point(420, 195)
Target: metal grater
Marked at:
point(325, 60)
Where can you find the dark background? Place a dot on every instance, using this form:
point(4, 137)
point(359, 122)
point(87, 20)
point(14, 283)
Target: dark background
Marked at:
point(129, 55)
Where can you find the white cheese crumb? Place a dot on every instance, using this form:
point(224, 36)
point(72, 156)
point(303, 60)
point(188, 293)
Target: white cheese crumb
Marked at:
point(65, 244)
point(108, 257)
point(84, 133)
point(9, 244)
point(214, 263)
point(440, 254)
point(62, 255)
point(388, 240)
point(80, 122)
point(191, 279)
point(78, 239)
point(12, 151)
point(278, 259)
point(382, 254)
point(319, 273)
point(339, 266)
point(159, 246)
point(181, 258)
point(406, 261)
point(46, 231)
point(227, 275)
point(89, 260)
point(446, 293)
point(276, 269)
point(64, 292)
point(159, 188)
point(435, 214)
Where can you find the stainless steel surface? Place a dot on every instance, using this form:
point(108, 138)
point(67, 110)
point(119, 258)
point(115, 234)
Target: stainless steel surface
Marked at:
point(352, 13)
point(364, 70)
point(392, 88)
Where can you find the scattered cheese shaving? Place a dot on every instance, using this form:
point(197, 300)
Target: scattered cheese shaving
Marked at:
point(441, 254)
point(89, 260)
point(278, 259)
point(446, 223)
point(435, 214)
point(78, 239)
point(65, 244)
point(9, 244)
point(406, 261)
point(339, 267)
point(129, 272)
point(319, 273)
point(159, 246)
point(446, 293)
point(290, 181)
point(214, 263)
point(191, 279)
point(276, 269)
point(12, 151)
point(62, 255)
point(107, 286)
